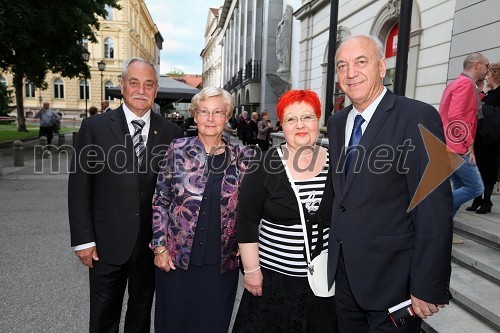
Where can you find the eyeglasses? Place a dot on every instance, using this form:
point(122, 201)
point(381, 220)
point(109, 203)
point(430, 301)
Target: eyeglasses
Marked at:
point(205, 113)
point(305, 118)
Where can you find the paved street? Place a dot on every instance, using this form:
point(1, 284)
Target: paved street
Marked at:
point(43, 287)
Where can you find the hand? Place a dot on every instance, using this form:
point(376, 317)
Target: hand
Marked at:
point(86, 256)
point(424, 309)
point(253, 282)
point(470, 153)
point(163, 260)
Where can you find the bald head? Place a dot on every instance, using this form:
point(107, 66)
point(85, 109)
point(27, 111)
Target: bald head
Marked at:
point(477, 65)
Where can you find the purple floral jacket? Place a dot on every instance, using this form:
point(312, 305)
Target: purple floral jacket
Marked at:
point(178, 195)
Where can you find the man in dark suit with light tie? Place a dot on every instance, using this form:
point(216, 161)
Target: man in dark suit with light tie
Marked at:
point(114, 171)
point(379, 254)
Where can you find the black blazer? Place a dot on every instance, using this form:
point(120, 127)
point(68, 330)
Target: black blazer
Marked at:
point(390, 253)
point(109, 198)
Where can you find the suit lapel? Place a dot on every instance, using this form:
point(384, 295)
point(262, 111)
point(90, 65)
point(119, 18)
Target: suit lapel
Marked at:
point(154, 139)
point(339, 148)
point(118, 125)
point(374, 126)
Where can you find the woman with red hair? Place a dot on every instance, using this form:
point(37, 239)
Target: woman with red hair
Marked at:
point(270, 233)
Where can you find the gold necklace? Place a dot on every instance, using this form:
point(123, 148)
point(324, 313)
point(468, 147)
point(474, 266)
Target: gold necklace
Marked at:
point(217, 148)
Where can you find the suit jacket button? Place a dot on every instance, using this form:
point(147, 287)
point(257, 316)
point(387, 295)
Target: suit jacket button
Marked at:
point(136, 214)
point(338, 239)
point(342, 208)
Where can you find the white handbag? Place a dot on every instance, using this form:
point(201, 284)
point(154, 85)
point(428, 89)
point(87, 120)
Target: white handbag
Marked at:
point(317, 267)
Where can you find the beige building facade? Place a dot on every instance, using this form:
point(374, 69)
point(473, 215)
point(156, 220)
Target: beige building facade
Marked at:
point(124, 33)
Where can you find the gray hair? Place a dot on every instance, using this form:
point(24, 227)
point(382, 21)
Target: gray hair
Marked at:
point(473, 58)
point(131, 60)
point(378, 44)
point(207, 92)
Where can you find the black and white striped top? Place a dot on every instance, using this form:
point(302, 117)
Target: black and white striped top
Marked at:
point(281, 247)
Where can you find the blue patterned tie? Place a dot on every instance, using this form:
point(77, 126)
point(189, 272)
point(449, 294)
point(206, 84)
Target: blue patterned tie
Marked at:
point(353, 141)
point(137, 139)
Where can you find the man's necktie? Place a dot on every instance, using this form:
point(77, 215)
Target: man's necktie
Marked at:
point(137, 139)
point(353, 141)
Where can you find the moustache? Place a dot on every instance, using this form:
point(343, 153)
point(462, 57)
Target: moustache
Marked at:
point(142, 97)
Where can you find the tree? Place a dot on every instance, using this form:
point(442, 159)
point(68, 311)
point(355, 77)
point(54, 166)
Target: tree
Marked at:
point(5, 99)
point(40, 36)
point(175, 72)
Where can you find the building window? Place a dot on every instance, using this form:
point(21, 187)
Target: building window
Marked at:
point(109, 47)
point(29, 89)
point(107, 85)
point(58, 88)
point(85, 44)
point(109, 12)
point(3, 81)
point(84, 92)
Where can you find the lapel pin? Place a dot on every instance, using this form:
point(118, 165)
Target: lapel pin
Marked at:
point(155, 132)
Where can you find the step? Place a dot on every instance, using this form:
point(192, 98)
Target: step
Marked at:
point(454, 319)
point(476, 293)
point(484, 228)
point(477, 256)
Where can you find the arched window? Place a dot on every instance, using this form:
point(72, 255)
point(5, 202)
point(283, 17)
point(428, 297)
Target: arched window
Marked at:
point(58, 88)
point(109, 12)
point(109, 48)
point(84, 90)
point(29, 89)
point(85, 43)
point(107, 85)
point(3, 80)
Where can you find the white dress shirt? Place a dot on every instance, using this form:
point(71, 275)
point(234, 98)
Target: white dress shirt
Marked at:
point(366, 114)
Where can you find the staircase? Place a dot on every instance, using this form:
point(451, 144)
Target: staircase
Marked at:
point(475, 276)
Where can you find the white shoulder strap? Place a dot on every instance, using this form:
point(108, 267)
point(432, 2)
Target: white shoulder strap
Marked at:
point(301, 209)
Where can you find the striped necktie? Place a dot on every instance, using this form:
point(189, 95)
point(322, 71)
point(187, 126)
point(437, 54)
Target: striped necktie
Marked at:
point(137, 139)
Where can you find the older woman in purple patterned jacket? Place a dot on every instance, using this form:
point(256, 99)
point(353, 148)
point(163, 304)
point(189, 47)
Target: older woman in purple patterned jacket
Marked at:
point(194, 215)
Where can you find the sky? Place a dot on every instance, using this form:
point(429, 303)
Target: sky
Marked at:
point(182, 24)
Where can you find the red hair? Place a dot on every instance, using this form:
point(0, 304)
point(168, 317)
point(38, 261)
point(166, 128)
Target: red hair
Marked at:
point(298, 96)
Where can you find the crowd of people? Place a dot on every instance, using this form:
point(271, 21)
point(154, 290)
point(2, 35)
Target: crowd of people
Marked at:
point(181, 216)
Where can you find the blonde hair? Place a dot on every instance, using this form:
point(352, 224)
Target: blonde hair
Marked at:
point(494, 72)
point(207, 92)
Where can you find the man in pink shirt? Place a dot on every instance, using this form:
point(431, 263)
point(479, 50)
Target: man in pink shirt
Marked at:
point(460, 110)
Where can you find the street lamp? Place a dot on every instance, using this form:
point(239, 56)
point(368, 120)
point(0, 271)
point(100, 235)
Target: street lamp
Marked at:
point(102, 67)
point(86, 57)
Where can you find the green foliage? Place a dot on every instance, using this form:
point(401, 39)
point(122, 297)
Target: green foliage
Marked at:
point(10, 133)
point(37, 36)
point(5, 100)
point(175, 72)
point(40, 36)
